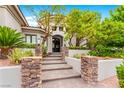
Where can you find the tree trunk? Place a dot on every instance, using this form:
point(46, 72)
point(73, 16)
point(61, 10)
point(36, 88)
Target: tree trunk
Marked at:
point(43, 42)
point(4, 52)
point(77, 42)
point(70, 42)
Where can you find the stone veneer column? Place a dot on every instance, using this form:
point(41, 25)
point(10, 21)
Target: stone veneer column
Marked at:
point(64, 51)
point(31, 72)
point(89, 69)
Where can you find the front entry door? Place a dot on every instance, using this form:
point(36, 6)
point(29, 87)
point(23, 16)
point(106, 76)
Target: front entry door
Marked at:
point(56, 45)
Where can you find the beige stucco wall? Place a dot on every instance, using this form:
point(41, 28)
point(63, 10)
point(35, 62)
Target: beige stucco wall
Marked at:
point(6, 19)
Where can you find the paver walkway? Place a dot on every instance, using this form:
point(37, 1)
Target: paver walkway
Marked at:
point(58, 74)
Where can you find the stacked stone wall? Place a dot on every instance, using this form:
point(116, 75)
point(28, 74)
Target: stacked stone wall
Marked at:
point(31, 72)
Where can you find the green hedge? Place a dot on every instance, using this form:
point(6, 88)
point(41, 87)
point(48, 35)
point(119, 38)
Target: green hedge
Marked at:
point(28, 45)
point(120, 75)
point(107, 52)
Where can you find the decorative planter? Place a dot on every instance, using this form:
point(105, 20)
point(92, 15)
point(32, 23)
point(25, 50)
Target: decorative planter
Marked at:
point(95, 69)
point(31, 72)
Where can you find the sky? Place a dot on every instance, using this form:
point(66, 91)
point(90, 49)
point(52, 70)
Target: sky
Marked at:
point(102, 9)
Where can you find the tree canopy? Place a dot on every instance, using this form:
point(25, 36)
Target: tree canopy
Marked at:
point(118, 14)
point(82, 25)
point(46, 15)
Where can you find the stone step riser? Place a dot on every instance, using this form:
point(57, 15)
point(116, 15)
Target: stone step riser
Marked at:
point(56, 69)
point(54, 56)
point(51, 59)
point(76, 76)
point(52, 63)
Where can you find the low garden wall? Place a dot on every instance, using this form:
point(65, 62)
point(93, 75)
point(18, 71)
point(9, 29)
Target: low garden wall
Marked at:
point(95, 69)
point(72, 52)
point(10, 76)
point(75, 63)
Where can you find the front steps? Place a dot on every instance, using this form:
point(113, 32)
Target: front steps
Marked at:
point(55, 69)
point(59, 74)
point(52, 58)
point(53, 62)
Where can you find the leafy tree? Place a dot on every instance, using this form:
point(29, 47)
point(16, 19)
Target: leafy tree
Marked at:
point(111, 33)
point(82, 25)
point(73, 24)
point(118, 14)
point(9, 38)
point(46, 15)
point(89, 28)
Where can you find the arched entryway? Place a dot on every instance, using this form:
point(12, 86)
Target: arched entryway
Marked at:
point(57, 43)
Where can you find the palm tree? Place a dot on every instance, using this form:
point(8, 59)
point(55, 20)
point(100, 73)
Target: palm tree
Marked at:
point(9, 38)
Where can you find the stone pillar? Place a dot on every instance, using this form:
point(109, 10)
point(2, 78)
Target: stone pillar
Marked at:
point(31, 72)
point(89, 69)
point(64, 52)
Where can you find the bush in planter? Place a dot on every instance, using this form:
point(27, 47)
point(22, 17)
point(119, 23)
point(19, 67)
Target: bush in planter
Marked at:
point(107, 52)
point(103, 51)
point(120, 75)
point(78, 56)
point(28, 53)
point(119, 54)
point(76, 47)
point(16, 55)
point(9, 38)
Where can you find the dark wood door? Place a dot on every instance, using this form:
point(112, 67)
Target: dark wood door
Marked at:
point(56, 45)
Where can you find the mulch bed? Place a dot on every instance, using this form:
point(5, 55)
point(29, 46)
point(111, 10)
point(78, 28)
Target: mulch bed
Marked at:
point(5, 62)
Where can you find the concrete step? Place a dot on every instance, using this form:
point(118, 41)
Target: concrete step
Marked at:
point(53, 62)
point(56, 67)
point(59, 74)
point(52, 58)
point(55, 55)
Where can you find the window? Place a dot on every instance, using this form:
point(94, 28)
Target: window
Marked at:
point(60, 28)
point(31, 39)
point(54, 28)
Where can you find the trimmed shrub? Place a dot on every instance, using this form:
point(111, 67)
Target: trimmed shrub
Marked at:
point(107, 52)
point(28, 45)
point(120, 75)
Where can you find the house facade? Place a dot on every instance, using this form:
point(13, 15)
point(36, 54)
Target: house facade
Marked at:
point(11, 16)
